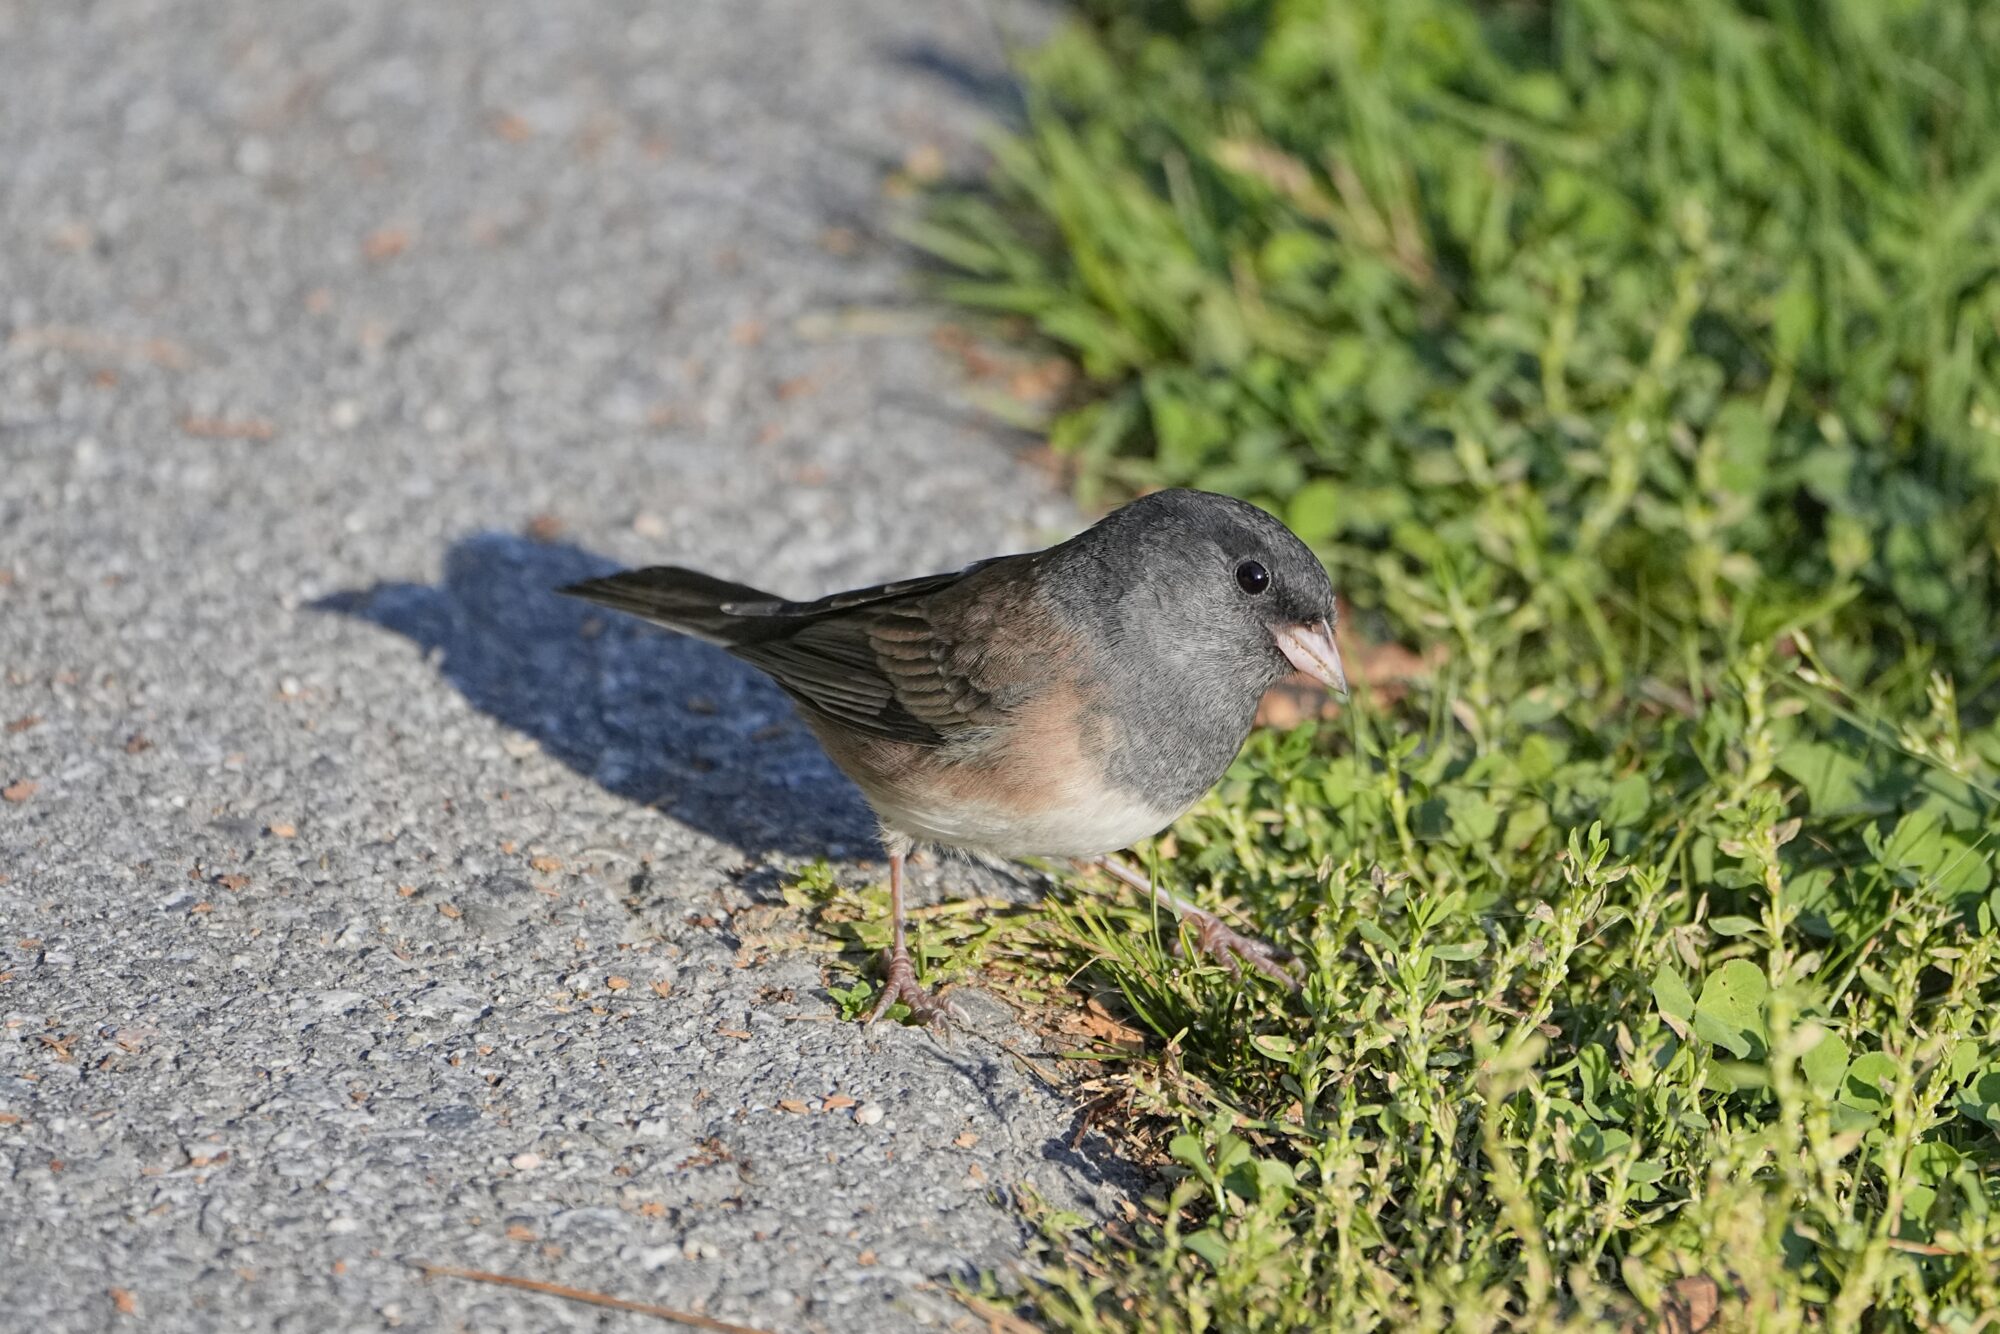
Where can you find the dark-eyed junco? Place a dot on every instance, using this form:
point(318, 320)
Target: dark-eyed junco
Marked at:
point(1060, 703)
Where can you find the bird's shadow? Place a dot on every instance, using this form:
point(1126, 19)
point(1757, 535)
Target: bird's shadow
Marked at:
point(652, 716)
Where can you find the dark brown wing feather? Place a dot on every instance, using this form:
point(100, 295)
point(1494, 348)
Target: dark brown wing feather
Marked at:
point(873, 659)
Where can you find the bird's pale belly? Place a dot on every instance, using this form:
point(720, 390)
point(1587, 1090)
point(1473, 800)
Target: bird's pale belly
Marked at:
point(1066, 824)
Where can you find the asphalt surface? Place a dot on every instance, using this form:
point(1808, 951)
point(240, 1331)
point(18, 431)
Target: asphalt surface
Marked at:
point(360, 901)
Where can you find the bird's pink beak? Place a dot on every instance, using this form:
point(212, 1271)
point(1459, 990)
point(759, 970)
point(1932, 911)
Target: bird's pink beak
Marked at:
point(1311, 649)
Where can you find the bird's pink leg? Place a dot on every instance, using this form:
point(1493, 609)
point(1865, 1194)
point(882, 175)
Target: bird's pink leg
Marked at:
point(899, 976)
point(1212, 937)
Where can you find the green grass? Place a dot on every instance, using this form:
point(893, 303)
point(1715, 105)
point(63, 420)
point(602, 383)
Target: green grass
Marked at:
point(1641, 363)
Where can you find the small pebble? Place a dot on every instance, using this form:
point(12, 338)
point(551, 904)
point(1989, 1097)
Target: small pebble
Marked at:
point(868, 1113)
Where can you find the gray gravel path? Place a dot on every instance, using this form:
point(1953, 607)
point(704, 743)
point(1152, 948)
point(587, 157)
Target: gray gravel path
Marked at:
point(331, 335)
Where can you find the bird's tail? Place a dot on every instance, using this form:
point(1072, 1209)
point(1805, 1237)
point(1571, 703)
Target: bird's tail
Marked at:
point(685, 600)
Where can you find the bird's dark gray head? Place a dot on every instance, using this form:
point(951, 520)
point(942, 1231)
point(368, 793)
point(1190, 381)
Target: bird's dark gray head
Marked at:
point(1208, 583)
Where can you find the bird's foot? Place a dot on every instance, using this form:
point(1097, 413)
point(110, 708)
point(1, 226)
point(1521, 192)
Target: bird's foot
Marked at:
point(1217, 940)
point(1211, 936)
point(899, 983)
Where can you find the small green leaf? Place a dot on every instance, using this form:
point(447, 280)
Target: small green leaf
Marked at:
point(1474, 819)
point(1375, 935)
point(1209, 1245)
point(1713, 1030)
point(1824, 1064)
point(1279, 1049)
point(1963, 870)
point(1963, 1060)
point(1314, 513)
point(1869, 1083)
point(1671, 994)
point(1630, 799)
point(1917, 843)
point(1186, 1149)
point(1832, 778)
point(1981, 1102)
point(1730, 1012)
point(853, 1001)
point(1599, 1144)
point(1594, 1065)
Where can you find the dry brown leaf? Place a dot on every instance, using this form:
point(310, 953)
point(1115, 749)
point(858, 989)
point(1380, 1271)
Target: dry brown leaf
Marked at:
point(1692, 1305)
point(520, 1232)
point(545, 864)
point(924, 162)
point(837, 1102)
point(1289, 703)
point(451, 910)
point(617, 983)
point(1100, 1023)
point(284, 831)
point(1385, 664)
point(1039, 380)
point(792, 1105)
point(1384, 671)
point(18, 792)
point(23, 724)
point(124, 1301)
point(966, 1140)
point(235, 883)
point(385, 243)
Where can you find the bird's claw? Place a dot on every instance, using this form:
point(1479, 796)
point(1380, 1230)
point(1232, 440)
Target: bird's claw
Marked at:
point(899, 983)
point(1217, 940)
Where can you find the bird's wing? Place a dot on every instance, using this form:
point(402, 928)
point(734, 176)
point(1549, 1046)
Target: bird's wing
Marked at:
point(894, 661)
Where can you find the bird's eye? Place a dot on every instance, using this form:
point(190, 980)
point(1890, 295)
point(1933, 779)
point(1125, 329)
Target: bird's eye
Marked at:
point(1252, 578)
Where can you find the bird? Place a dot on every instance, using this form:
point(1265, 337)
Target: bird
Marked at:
point(1064, 703)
